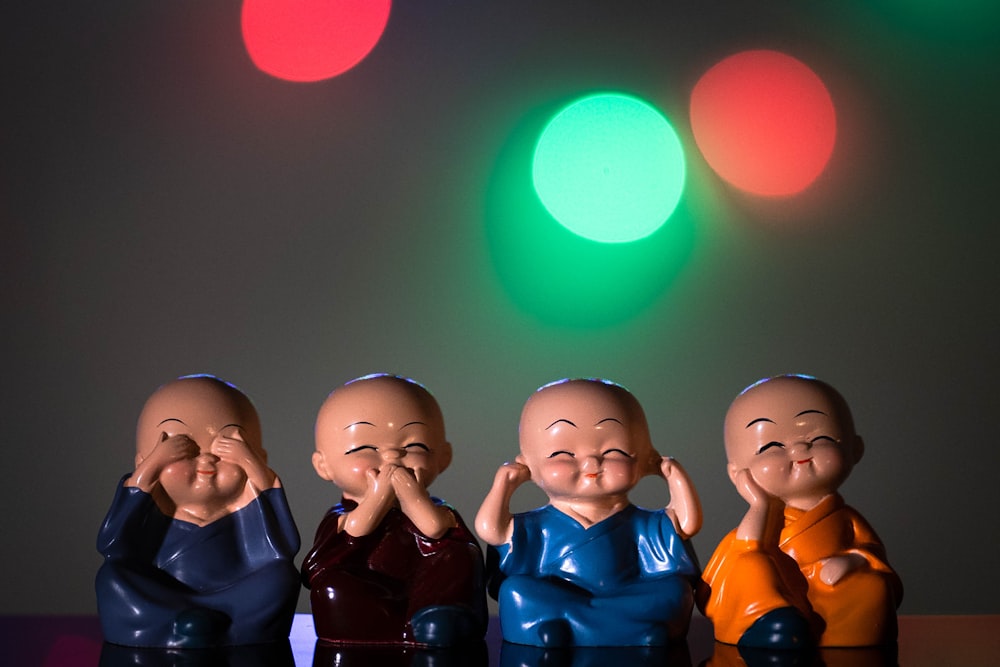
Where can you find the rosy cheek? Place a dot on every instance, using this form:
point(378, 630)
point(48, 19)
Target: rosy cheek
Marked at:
point(360, 465)
point(179, 469)
point(232, 471)
point(557, 471)
point(618, 468)
point(770, 470)
point(831, 461)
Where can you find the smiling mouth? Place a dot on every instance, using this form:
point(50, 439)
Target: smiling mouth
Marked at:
point(592, 475)
point(804, 460)
point(206, 472)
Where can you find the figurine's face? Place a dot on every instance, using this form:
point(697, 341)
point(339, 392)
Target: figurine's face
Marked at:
point(579, 441)
point(794, 438)
point(371, 423)
point(201, 410)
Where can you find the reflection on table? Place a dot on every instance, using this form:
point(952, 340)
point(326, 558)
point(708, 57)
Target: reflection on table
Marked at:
point(924, 641)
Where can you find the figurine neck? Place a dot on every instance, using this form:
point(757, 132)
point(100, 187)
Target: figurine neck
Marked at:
point(807, 502)
point(201, 513)
point(590, 511)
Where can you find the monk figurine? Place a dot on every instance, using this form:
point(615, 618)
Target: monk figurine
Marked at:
point(590, 568)
point(199, 541)
point(802, 568)
point(391, 564)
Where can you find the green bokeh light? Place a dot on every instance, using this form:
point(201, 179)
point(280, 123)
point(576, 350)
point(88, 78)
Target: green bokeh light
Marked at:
point(609, 167)
point(562, 278)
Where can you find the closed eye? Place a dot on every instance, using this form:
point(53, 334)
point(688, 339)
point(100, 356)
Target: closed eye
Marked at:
point(822, 438)
point(616, 451)
point(417, 445)
point(773, 443)
point(562, 451)
point(361, 449)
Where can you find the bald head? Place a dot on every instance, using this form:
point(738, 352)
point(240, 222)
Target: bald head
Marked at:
point(378, 420)
point(378, 399)
point(588, 401)
point(781, 399)
point(201, 404)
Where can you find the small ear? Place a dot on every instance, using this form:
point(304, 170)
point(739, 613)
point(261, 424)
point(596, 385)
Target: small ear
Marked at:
point(858, 450)
point(138, 459)
point(444, 455)
point(520, 459)
point(733, 471)
point(319, 465)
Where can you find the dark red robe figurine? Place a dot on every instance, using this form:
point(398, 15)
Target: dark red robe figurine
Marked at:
point(391, 564)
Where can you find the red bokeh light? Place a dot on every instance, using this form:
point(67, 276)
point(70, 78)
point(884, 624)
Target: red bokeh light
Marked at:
point(764, 122)
point(310, 40)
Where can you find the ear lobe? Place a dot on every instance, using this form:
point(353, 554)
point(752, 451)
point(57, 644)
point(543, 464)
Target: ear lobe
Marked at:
point(444, 456)
point(858, 450)
point(319, 465)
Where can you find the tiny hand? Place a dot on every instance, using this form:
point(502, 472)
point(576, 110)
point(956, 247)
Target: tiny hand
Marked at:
point(835, 568)
point(667, 465)
point(373, 505)
point(512, 474)
point(380, 484)
point(651, 463)
point(684, 507)
point(234, 449)
point(405, 484)
point(172, 448)
point(750, 490)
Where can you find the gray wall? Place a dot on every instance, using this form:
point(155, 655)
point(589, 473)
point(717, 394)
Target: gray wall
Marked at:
point(168, 209)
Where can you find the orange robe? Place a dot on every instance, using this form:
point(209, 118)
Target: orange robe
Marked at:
point(746, 579)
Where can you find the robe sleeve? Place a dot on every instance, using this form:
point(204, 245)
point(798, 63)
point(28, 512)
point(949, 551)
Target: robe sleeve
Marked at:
point(868, 545)
point(134, 526)
point(329, 548)
point(268, 524)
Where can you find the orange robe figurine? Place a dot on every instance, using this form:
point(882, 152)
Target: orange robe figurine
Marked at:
point(802, 567)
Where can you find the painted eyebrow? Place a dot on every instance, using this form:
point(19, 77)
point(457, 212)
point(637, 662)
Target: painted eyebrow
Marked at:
point(412, 424)
point(357, 424)
point(759, 419)
point(610, 419)
point(171, 419)
point(560, 420)
point(812, 412)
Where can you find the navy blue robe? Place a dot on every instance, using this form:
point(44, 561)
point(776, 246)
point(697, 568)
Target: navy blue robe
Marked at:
point(171, 583)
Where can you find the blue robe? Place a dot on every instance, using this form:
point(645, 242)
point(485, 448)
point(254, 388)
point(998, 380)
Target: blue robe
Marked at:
point(625, 581)
point(171, 583)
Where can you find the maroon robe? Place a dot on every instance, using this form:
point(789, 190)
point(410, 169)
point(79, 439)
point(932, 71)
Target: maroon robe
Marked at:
point(367, 589)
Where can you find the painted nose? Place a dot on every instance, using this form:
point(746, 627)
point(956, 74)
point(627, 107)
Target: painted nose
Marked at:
point(590, 464)
point(801, 445)
point(392, 455)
